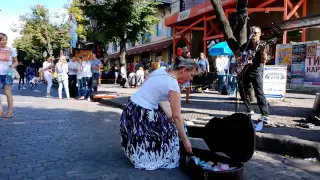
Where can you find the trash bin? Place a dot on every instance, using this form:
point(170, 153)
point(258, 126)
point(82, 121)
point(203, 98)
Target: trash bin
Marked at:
point(316, 104)
point(233, 135)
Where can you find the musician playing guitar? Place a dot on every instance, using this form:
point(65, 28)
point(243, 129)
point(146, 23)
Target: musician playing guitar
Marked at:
point(253, 74)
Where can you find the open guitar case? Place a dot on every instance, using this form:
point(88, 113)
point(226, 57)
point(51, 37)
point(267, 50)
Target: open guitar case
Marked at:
point(233, 135)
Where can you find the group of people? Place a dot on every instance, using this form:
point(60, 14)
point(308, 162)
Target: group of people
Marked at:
point(79, 77)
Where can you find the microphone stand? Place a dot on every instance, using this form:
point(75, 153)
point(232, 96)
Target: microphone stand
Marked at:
point(241, 80)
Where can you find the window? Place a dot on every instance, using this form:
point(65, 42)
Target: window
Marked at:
point(146, 38)
point(159, 28)
point(169, 32)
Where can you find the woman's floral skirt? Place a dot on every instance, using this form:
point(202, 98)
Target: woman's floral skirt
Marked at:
point(149, 138)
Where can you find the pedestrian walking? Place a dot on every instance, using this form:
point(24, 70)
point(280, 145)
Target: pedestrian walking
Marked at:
point(21, 68)
point(73, 66)
point(116, 73)
point(47, 72)
point(8, 61)
point(95, 69)
point(62, 76)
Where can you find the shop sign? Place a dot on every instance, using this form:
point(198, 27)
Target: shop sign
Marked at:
point(274, 82)
point(184, 15)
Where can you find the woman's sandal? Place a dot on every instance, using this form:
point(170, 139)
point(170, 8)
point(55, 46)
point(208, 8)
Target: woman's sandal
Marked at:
point(8, 115)
point(2, 114)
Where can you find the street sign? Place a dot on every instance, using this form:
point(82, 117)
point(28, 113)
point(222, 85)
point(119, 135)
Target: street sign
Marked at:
point(275, 82)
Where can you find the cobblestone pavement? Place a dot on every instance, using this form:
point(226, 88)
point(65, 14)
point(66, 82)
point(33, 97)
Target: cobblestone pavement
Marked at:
point(60, 139)
point(295, 106)
point(205, 106)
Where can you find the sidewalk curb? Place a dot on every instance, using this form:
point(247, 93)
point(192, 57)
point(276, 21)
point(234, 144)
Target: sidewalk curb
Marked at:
point(280, 144)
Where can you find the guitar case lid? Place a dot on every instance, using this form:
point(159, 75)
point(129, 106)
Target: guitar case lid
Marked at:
point(233, 135)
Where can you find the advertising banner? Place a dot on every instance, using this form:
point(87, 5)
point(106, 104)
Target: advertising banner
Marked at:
point(311, 49)
point(283, 54)
point(274, 82)
point(312, 70)
point(297, 74)
point(298, 53)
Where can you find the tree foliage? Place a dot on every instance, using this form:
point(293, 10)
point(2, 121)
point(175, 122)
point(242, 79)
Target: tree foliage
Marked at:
point(122, 21)
point(40, 35)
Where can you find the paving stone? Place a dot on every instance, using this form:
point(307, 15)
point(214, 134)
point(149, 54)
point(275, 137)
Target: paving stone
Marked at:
point(80, 140)
point(24, 171)
point(17, 177)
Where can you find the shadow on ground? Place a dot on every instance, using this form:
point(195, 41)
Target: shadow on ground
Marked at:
point(60, 143)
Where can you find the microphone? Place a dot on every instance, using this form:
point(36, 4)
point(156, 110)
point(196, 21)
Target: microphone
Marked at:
point(251, 36)
point(251, 32)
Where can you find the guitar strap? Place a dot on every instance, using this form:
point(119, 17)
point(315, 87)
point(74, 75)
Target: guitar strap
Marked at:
point(255, 51)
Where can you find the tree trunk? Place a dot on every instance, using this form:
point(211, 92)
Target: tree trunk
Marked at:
point(242, 14)
point(123, 52)
point(226, 28)
point(105, 55)
point(237, 35)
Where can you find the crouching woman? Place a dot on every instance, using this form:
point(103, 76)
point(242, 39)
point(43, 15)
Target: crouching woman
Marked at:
point(149, 138)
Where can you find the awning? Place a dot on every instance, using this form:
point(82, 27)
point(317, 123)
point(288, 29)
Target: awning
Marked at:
point(153, 46)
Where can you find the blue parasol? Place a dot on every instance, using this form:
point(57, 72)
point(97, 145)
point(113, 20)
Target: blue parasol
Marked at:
point(220, 49)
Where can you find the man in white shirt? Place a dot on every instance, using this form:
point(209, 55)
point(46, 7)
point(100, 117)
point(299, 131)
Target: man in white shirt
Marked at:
point(73, 70)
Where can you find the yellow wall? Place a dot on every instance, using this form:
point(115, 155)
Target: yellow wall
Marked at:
point(136, 59)
point(165, 55)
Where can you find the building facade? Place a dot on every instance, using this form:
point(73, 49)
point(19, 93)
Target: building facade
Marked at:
point(153, 46)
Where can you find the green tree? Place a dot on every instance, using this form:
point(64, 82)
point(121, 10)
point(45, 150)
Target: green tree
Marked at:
point(122, 21)
point(40, 35)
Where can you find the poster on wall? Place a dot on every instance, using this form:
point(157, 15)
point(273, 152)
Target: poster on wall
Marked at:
point(297, 74)
point(298, 53)
point(312, 70)
point(275, 82)
point(284, 54)
point(311, 49)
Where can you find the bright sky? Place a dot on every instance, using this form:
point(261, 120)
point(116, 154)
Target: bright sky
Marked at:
point(10, 10)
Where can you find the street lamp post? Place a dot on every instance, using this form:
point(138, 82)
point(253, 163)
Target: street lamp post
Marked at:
point(93, 24)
